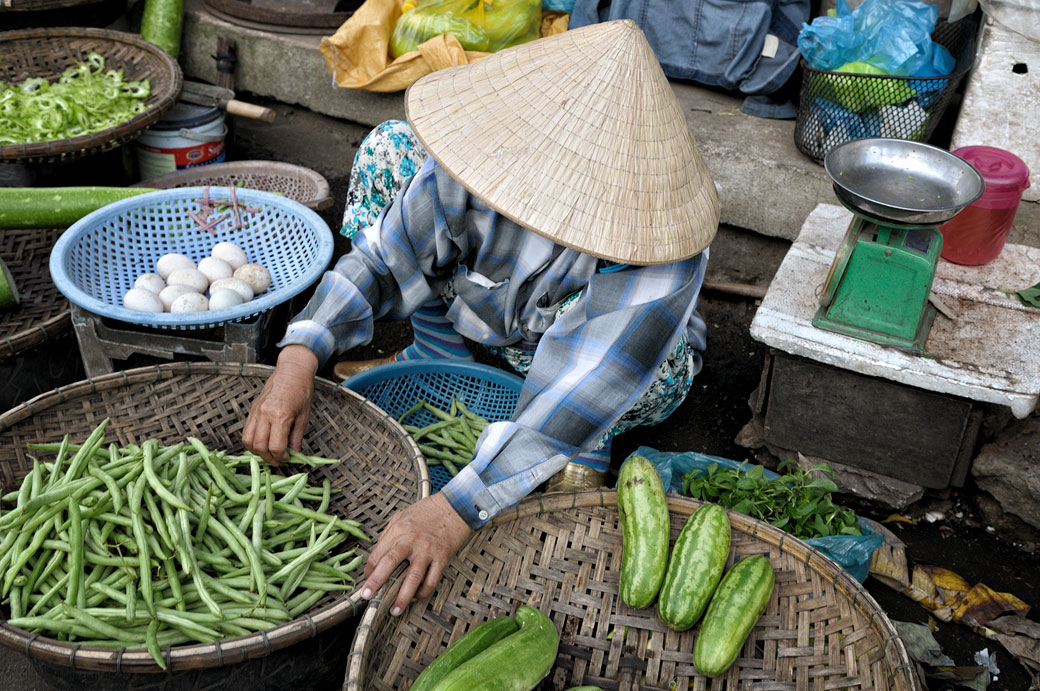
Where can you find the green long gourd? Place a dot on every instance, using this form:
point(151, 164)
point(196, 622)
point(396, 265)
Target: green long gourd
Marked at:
point(643, 509)
point(735, 607)
point(695, 567)
point(518, 662)
point(161, 23)
point(56, 207)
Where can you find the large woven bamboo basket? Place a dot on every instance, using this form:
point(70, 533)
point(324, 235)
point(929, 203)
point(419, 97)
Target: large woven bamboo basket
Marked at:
point(47, 52)
point(300, 184)
point(382, 471)
point(561, 553)
point(43, 312)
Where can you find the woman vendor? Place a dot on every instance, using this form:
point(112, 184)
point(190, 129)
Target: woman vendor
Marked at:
point(561, 219)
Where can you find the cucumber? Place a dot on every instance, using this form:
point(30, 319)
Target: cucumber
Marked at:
point(161, 24)
point(56, 207)
point(517, 662)
point(474, 642)
point(695, 567)
point(736, 606)
point(644, 532)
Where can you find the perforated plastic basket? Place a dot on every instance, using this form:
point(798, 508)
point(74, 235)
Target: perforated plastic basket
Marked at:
point(489, 392)
point(99, 257)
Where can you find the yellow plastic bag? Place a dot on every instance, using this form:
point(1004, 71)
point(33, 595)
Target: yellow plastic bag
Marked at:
point(480, 25)
point(358, 54)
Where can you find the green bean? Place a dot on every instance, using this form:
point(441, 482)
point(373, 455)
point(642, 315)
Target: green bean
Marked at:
point(175, 584)
point(157, 519)
point(144, 561)
point(83, 454)
point(304, 603)
point(151, 639)
point(24, 556)
point(48, 594)
point(99, 627)
point(351, 527)
point(153, 480)
point(234, 535)
point(131, 600)
point(217, 472)
point(38, 623)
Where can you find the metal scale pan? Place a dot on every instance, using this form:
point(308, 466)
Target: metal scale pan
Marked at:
point(901, 182)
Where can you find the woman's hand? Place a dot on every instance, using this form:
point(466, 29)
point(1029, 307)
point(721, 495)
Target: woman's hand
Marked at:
point(279, 415)
point(427, 535)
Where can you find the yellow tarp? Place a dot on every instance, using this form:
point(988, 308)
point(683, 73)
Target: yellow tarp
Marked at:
point(358, 54)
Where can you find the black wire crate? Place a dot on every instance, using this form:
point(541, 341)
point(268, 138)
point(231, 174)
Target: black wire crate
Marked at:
point(836, 107)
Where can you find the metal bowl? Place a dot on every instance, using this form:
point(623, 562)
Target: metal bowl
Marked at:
point(902, 181)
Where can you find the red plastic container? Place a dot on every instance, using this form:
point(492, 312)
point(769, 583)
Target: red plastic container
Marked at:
point(977, 234)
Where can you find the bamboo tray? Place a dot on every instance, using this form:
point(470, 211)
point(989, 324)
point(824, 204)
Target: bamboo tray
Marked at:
point(47, 52)
point(561, 553)
point(382, 471)
point(44, 312)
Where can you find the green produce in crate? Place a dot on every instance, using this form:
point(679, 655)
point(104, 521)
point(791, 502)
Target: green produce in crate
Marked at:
point(148, 546)
point(643, 509)
point(518, 662)
point(695, 567)
point(476, 641)
point(737, 604)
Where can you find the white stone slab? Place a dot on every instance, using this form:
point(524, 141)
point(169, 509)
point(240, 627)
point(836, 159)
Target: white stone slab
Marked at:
point(989, 353)
point(1001, 105)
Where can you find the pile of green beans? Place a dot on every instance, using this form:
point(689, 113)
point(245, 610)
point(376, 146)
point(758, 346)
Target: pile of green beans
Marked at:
point(148, 546)
point(451, 440)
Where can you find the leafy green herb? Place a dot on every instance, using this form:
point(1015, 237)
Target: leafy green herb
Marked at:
point(85, 99)
point(1030, 297)
point(796, 501)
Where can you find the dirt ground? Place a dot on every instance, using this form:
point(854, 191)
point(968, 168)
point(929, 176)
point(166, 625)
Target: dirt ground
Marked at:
point(708, 421)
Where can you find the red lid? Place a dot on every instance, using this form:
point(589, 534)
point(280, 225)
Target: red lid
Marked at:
point(1002, 170)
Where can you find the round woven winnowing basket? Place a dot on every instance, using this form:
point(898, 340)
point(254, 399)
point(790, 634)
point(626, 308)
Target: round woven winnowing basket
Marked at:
point(382, 471)
point(561, 553)
point(43, 312)
point(47, 52)
point(295, 182)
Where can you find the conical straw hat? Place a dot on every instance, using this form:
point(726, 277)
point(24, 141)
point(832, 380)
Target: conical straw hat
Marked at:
point(578, 137)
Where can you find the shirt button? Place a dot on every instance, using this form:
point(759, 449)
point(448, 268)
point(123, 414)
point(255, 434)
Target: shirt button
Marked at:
point(483, 515)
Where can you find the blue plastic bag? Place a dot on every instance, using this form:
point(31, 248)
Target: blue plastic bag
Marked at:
point(852, 552)
point(894, 36)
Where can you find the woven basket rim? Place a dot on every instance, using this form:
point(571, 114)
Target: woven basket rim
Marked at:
point(315, 180)
point(378, 608)
point(88, 143)
point(203, 655)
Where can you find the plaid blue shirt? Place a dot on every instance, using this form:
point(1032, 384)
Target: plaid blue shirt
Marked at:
point(591, 364)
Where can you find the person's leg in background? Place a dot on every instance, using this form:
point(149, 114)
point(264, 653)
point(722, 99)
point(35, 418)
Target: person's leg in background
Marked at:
point(388, 156)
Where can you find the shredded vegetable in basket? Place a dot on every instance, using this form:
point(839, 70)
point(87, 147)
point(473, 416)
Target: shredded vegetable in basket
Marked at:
point(85, 99)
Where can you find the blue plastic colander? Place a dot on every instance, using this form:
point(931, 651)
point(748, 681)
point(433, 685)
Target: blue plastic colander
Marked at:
point(487, 391)
point(100, 256)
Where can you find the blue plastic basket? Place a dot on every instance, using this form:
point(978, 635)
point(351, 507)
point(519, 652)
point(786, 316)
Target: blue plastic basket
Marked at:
point(489, 392)
point(100, 256)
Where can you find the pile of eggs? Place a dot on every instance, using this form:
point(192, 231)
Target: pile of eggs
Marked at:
point(179, 285)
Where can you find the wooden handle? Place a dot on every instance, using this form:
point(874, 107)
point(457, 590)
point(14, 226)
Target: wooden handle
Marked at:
point(249, 110)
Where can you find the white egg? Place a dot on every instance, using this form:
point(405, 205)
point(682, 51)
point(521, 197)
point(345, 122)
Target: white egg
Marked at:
point(153, 283)
point(258, 278)
point(231, 253)
point(168, 263)
point(193, 278)
point(170, 293)
point(235, 284)
point(190, 302)
point(215, 269)
point(141, 300)
point(222, 298)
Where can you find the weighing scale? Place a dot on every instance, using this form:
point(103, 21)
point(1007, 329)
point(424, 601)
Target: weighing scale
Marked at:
point(899, 192)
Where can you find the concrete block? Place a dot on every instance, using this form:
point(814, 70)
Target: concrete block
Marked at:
point(766, 184)
point(1001, 102)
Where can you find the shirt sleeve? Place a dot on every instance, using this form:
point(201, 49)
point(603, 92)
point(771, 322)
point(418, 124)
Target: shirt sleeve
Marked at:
point(393, 267)
point(591, 365)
